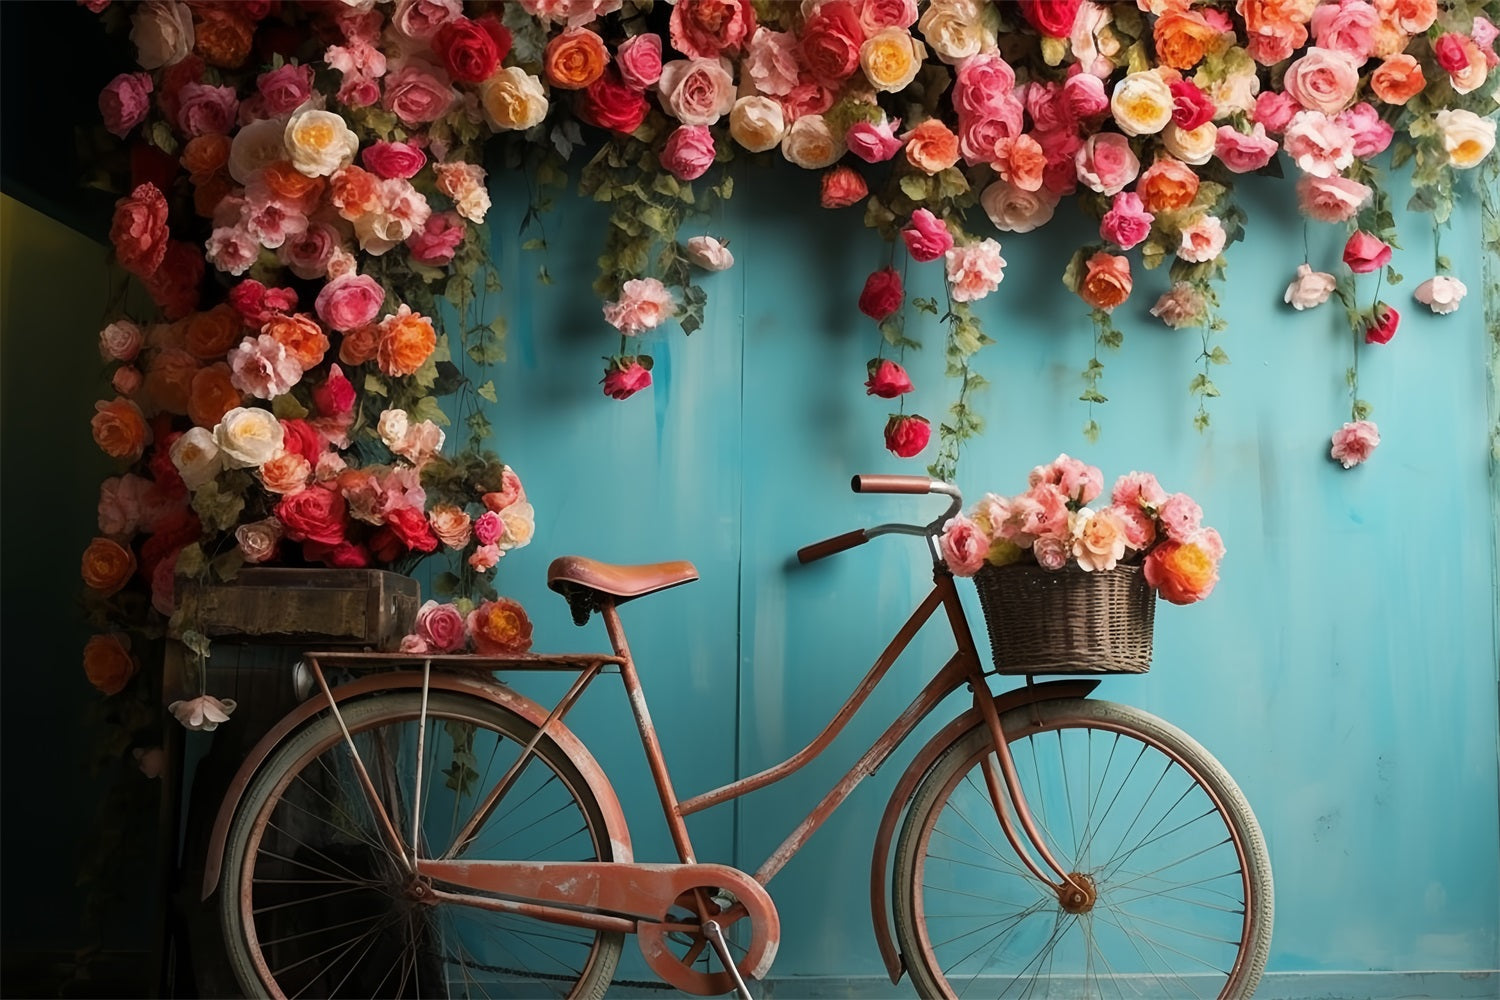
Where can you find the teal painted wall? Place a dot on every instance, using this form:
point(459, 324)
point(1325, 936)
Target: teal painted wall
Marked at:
point(1344, 670)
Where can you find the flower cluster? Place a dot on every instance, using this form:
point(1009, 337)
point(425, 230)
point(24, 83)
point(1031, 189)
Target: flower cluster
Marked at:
point(1052, 525)
point(304, 207)
point(493, 628)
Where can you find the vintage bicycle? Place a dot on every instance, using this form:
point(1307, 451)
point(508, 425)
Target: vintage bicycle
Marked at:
point(418, 828)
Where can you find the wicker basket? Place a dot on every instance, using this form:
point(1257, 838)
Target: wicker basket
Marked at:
point(1067, 621)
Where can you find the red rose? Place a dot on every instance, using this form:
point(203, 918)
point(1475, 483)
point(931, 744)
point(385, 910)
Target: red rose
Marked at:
point(882, 295)
point(256, 303)
point(1191, 107)
point(139, 230)
point(1382, 324)
point(842, 186)
point(344, 555)
point(317, 514)
point(609, 102)
point(830, 42)
point(410, 525)
point(334, 397)
point(177, 283)
point(704, 29)
point(298, 436)
point(1053, 18)
point(471, 51)
point(624, 377)
point(1451, 53)
point(393, 159)
point(906, 436)
point(385, 547)
point(887, 379)
point(1365, 253)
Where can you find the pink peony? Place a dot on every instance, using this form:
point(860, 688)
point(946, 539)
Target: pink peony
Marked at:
point(1371, 134)
point(1354, 442)
point(1180, 516)
point(350, 301)
point(1076, 479)
point(1105, 163)
point(1331, 199)
point(1243, 153)
point(262, 367)
point(436, 242)
point(639, 60)
point(124, 102)
point(982, 85)
point(1179, 306)
point(1127, 223)
point(1274, 109)
point(285, 89)
point(206, 110)
point(771, 62)
point(1202, 239)
point(974, 270)
point(1318, 144)
point(688, 152)
point(441, 627)
point(927, 237)
point(964, 546)
point(1138, 489)
point(642, 305)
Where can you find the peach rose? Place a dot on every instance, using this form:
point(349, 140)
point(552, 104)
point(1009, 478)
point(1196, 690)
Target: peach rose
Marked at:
point(757, 123)
point(1167, 186)
point(513, 99)
point(932, 146)
point(451, 524)
point(1398, 79)
point(407, 340)
point(120, 429)
point(257, 540)
point(302, 337)
point(354, 191)
point(360, 344)
point(107, 566)
point(1099, 540)
point(500, 628)
point(1183, 572)
point(212, 394)
point(891, 58)
point(286, 474)
point(107, 662)
point(1183, 37)
point(210, 335)
point(809, 144)
point(205, 155)
point(575, 58)
point(1106, 282)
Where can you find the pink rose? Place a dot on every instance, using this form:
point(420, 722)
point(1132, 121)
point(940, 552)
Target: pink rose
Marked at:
point(1331, 199)
point(1318, 144)
point(139, 230)
point(887, 379)
point(393, 159)
point(639, 60)
point(436, 242)
point(624, 377)
point(1127, 222)
point(927, 237)
point(308, 254)
point(964, 546)
point(1365, 253)
point(1085, 98)
point(1243, 153)
point(1137, 489)
point(697, 91)
point(484, 557)
point(1322, 80)
point(877, 14)
point(1191, 107)
point(349, 302)
point(206, 110)
point(1347, 27)
point(285, 88)
point(642, 305)
point(982, 85)
point(688, 152)
point(882, 294)
point(441, 627)
point(830, 41)
point(1371, 134)
point(1180, 306)
point(418, 92)
point(1138, 526)
point(1180, 516)
point(1354, 442)
point(488, 527)
point(874, 142)
point(771, 63)
point(120, 341)
point(906, 436)
point(1274, 109)
point(1105, 163)
point(1048, 114)
point(1077, 480)
point(421, 19)
point(124, 102)
point(1051, 552)
point(1382, 324)
point(1202, 239)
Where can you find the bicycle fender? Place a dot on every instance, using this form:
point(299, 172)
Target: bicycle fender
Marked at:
point(907, 787)
point(481, 687)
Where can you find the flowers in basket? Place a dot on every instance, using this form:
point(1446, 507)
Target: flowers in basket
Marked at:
point(492, 628)
point(1053, 525)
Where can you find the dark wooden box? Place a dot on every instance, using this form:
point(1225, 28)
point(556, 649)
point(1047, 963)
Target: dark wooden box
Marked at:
point(308, 607)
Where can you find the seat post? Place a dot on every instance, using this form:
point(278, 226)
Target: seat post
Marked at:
point(658, 764)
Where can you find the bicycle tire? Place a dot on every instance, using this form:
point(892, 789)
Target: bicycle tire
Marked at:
point(1185, 901)
point(313, 904)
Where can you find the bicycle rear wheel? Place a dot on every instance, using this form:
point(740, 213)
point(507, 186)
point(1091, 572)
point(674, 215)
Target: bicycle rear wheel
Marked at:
point(1128, 801)
point(313, 903)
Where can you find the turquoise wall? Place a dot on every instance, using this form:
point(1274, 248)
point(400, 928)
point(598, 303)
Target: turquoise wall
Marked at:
point(1344, 670)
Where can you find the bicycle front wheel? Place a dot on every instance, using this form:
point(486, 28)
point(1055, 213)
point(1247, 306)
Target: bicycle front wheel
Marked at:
point(315, 904)
point(1148, 819)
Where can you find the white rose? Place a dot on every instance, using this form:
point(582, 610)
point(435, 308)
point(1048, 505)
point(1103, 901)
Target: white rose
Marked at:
point(1142, 104)
point(1013, 210)
point(757, 123)
point(957, 29)
point(809, 144)
point(162, 32)
point(1195, 147)
point(520, 524)
point(392, 427)
point(248, 437)
point(319, 141)
point(253, 147)
point(1309, 288)
point(1441, 294)
point(196, 457)
point(709, 254)
point(1467, 137)
point(513, 99)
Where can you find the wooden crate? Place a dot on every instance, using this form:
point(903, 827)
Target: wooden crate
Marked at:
point(308, 607)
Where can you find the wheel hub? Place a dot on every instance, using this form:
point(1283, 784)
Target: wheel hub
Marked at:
point(419, 890)
point(1080, 899)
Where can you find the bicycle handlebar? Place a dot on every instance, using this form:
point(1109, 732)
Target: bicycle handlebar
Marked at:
point(886, 484)
point(828, 546)
point(892, 484)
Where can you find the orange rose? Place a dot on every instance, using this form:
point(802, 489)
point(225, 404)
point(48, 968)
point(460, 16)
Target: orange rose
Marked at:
point(1167, 185)
point(1412, 16)
point(359, 344)
point(286, 181)
point(212, 394)
point(354, 192)
point(931, 147)
point(1398, 79)
point(406, 341)
point(107, 566)
point(108, 663)
point(211, 334)
point(1106, 282)
point(1183, 38)
point(302, 337)
point(120, 428)
point(287, 473)
point(205, 155)
point(169, 379)
point(1183, 572)
point(222, 37)
point(500, 628)
point(1021, 162)
point(574, 59)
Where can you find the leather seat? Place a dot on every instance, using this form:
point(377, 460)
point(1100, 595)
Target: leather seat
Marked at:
point(588, 583)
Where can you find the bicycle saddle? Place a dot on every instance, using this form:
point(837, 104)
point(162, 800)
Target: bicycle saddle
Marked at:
point(587, 584)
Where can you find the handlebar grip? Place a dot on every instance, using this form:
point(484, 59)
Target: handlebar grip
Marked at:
point(828, 546)
point(891, 484)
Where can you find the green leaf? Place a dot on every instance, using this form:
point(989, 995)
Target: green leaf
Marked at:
point(191, 561)
point(286, 407)
point(427, 408)
point(534, 244)
point(445, 584)
point(915, 186)
point(487, 391)
point(1091, 431)
point(1218, 357)
point(1362, 410)
point(376, 385)
point(926, 305)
